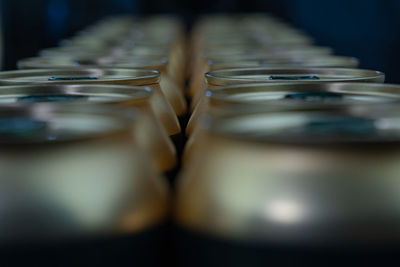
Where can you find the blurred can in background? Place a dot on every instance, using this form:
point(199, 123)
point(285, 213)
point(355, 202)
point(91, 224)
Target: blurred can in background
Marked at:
point(1, 38)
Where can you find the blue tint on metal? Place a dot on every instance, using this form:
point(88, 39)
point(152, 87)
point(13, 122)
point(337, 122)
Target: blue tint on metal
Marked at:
point(72, 78)
point(20, 127)
point(52, 98)
point(347, 126)
point(315, 96)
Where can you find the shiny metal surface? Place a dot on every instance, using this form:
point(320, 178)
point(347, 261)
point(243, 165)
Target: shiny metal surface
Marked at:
point(72, 172)
point(304, 177)
point(170, 89)
point(283, 62)
point(229, 99)
point(135, 62)
point(150, 132)
point(111, 76)
point(99, 75)
point(266, 51)
point(246, 75)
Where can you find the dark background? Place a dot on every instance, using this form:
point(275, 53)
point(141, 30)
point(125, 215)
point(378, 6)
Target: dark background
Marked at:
point(366, 29)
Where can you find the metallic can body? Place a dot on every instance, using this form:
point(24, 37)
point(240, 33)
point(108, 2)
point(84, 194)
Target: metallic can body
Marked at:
point(150, 132)
point(297, 183)
point(228, 99)
point(108, 76)
point(65, 193)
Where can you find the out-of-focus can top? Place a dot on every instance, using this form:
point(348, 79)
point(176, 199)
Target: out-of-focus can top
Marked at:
point(318, 177)
point(284, 62)
point(147, 62)
point(59, 179)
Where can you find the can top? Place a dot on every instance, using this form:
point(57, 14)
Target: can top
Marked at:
point(255, 47)
point(295, 75)
point(76, 52)
point(226, 40)
point(138, 62)
point(306, 178)
point(305, 93)
point(133, 48)
point(282, 62)
point(81, 76)
point(73, 50)
point(258, 51)
point(47, 124)
point(83, 175)
point(348, 125)
point(73, 93)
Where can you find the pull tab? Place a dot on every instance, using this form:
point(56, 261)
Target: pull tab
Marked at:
point(51, 98)
point(293, 78)
point(20, 127)
point(72, 78)
point(351, 126)
point(315, 96)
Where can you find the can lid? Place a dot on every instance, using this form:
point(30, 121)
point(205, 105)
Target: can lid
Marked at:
point(75, 173)
point(282, 62)
point(132, 62)
point(224, 39)
point(305, 93)
point(347, 126)
point(295, 75)
point(73, 93)
point(74, 51)
point(255, 51)
point(316, 179)
point(47, 124)
point(81, 76)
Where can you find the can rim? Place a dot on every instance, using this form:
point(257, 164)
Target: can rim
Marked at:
point(222, 76)
point(133, 76)
point(285, 62)
point(314, 50)
point(136, 62)
point(132, 93)
point(222, 94)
